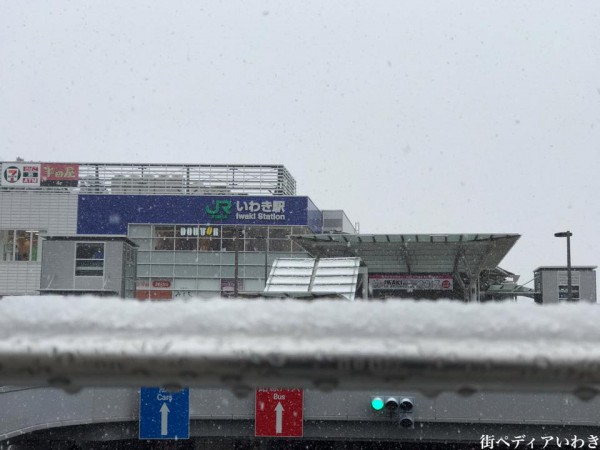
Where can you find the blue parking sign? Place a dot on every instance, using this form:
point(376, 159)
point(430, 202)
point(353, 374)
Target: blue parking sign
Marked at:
point(164, 414)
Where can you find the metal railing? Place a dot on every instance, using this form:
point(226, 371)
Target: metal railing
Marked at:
point(237, 344)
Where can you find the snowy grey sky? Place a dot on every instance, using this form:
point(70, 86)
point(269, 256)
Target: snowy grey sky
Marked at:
point(421, 116)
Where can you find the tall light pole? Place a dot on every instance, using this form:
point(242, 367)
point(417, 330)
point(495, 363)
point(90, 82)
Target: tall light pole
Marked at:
point(568, 235)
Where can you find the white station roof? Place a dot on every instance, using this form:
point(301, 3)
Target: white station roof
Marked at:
point(413, 253)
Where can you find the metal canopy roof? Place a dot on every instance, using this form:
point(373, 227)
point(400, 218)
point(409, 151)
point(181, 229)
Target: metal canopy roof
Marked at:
point(414, 253)
point(308, 277)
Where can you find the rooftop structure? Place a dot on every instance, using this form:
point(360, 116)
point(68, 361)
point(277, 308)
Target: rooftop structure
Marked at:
point(458, 257)
point(149, 179)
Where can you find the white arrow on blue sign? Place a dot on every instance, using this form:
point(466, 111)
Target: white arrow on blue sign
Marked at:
point(164, 414)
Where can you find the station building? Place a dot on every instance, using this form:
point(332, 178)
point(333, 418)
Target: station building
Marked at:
point(206, 230)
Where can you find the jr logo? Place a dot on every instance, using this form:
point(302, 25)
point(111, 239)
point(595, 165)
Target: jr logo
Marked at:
point(220, 209)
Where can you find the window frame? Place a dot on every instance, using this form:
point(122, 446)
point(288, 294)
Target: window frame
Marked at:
point(77, 259)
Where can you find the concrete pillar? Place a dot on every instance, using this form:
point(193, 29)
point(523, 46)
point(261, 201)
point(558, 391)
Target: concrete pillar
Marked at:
point(473, 288)
point(365, 287)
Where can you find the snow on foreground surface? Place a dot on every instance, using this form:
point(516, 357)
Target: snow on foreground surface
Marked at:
point(205, 342)
point(294, 325)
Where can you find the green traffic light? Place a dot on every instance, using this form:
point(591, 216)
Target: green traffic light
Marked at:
point(377, 403)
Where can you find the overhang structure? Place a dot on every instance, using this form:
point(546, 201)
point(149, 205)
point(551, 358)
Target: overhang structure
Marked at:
point(464, 256)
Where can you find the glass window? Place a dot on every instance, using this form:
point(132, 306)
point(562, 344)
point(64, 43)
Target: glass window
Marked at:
point(186, 258)
point(164, 237)
point(164, 231)
point(254, 272)
point(231, 245)
point(35, 238)
point(253, 259)
point(7, 241)
point(162, 257)
point(256, 232)
point(139, 231)
point(89, 259)
point(143, 257)
point(143, 244)
point(227, 259)
point(300, 230)
point(164, 244)
point(162, 270)
point(297, 248)
point(227, 271)
point(256, 245)
point(209, 271)
point(233, 232)
point(186, 244)
point(186, 271)
point(23, 245)
point(209, 258)
point(280, 245)
point(19, 245)
point(209, 244)
point(279, 232)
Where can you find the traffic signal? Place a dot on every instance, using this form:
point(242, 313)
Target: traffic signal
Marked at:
point(402, 408)
point(377, 403)
point(391, 404)
point(406, 409)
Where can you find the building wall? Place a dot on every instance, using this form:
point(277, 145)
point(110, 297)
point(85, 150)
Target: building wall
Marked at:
point(202, 273)
point(549, 283)
point(58, 264)
point(49, 213)
point(58, 267)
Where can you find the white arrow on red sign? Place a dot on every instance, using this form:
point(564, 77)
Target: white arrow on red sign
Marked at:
point(279, 412)
point(279, 419)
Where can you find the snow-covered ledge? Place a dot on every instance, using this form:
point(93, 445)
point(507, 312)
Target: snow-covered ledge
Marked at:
point(328, 344)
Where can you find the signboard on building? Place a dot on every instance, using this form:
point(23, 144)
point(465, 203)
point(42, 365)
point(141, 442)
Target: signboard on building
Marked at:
point(279, 413)
point(40, 174)
point(409, 282)
point(563, 285)
point(164, 414)
point(20, 174)
point(159, 289)
point(59, 174)
point(110, 214)
point(197, 231)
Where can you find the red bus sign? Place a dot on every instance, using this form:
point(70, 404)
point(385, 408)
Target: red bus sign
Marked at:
point(279, 412)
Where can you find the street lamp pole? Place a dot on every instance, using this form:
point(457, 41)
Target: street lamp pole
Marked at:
point(568, 235)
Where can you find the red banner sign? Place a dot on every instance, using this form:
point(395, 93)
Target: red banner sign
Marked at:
point(60, 174)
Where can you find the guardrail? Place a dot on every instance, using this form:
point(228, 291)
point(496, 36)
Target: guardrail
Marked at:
point(241, 344)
